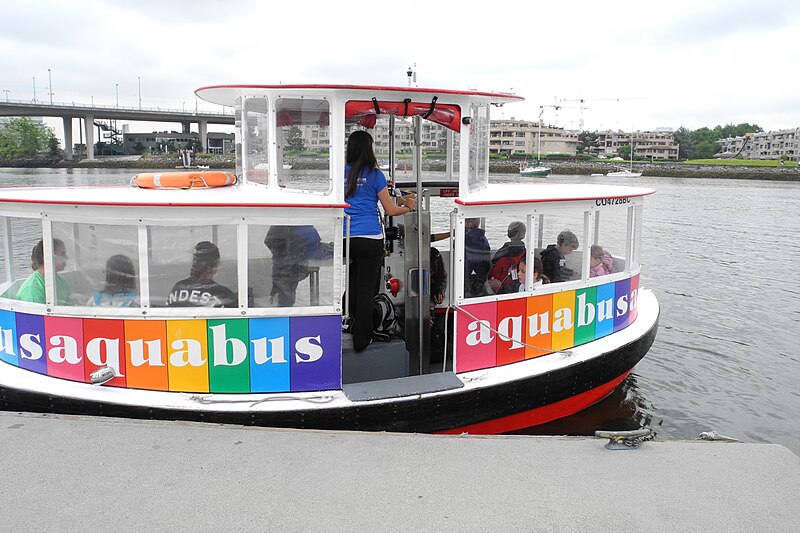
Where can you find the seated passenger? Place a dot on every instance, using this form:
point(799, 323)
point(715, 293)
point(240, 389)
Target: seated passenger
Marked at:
point(476, 258)
point(539, 278)
point(292, 247)
point(120, 287)
point(554, 257)
point(504, 276)
point(600, 262)
point(32, 289)
point(200, 289)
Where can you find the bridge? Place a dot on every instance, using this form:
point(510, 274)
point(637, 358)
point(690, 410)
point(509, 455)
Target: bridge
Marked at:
point(89, 113)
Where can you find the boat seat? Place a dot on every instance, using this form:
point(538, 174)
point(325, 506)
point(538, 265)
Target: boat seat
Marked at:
point(398, 387)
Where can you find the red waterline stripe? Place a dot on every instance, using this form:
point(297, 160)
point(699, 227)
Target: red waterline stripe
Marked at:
point(540, 415)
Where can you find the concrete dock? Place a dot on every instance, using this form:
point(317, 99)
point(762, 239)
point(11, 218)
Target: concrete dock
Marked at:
point(64, 473)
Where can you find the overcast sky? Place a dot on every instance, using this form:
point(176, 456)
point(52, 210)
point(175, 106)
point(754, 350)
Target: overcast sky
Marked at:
point(637, 64)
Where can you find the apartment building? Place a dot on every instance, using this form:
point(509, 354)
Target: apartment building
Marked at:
point(659, 144)
point(512, 136)
point(157, 141)
point(763, 145)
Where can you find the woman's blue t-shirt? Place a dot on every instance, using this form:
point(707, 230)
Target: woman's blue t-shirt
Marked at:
point(363, 211)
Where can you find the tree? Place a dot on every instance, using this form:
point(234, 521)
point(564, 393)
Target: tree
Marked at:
point(625, 151)
point(22, 137)
point(139, 147)
point(294, 140)
point(587, 140)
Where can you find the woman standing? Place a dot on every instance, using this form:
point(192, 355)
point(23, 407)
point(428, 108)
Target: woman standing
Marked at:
point(365, 186)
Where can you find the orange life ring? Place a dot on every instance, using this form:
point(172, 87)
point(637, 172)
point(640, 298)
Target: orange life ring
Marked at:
point(183, 180)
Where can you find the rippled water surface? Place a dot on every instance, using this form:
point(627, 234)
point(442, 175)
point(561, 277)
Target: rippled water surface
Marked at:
point(723, 257)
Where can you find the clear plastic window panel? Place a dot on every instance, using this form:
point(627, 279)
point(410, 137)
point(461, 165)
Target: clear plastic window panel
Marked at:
point(290, 262)
point(303, 131)
point(479, 148)
point(493, 249)
point(193, 266)
point(636, 263)
point(610, 244)
point(255, 157)
point(100, 267)
point(26, 233)
point(560, 245)
point(5, 263)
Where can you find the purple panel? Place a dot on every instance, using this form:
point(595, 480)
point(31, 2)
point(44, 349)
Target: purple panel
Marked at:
point(315, 352)
point(31, 343)
point(622, 304)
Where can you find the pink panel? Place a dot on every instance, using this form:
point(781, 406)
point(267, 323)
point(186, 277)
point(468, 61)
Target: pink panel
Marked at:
point(476, 344)
point(633, 299)
point(64, 349)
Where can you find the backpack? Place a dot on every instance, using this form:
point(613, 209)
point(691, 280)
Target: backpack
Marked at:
point(438, 274)
point(503, 277)
point(384, 318)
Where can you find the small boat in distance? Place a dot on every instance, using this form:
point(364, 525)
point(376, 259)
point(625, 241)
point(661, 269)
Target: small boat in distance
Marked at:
point(623, 173)
point(287, 166)
point(535, 170)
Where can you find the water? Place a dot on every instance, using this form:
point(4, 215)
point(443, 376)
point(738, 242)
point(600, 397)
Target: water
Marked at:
point(723, 258)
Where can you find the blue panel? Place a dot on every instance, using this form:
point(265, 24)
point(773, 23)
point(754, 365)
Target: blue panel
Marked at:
point(605, 310)
point(8, 338)
point(269, 354)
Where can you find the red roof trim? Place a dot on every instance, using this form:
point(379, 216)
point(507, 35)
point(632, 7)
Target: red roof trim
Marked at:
point(364, 88)
point(496, 202)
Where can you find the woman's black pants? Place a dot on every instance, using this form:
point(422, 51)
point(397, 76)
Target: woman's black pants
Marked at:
point(364, 283)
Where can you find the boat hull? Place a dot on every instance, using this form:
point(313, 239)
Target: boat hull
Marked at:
point(498, 408)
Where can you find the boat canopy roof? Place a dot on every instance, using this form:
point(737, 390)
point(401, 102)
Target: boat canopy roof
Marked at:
point(515, 193)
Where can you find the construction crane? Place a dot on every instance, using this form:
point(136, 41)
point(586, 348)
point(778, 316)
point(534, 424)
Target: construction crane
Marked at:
point(582, 101)
point(556, 107)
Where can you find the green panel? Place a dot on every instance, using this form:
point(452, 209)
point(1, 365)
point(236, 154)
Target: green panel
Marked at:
point(585, 315)
point(230, 338)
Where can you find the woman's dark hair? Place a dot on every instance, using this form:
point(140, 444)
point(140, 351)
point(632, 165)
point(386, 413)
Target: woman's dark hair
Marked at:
point(120, 275)
point(37, 254)
point(205, 258)
point(359, 156)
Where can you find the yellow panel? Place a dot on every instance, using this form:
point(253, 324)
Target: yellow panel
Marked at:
point(563, 320)
point(187, 349)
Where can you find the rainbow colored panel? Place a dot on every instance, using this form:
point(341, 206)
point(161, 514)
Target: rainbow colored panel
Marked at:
point(218, 356)
point(487, 333)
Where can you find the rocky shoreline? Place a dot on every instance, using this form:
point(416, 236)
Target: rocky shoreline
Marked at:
point(678, 170)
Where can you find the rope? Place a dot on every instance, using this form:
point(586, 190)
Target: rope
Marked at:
point(205, 400)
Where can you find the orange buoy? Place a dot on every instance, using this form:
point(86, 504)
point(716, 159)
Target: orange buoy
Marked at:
point(183, 180)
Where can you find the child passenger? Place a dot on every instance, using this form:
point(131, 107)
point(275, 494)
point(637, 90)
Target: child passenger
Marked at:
point(554, 257)
point(32, 289)
point(120, 286)
point(600, 262)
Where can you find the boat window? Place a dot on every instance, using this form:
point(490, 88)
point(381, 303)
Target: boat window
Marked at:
point(290, 263)
point(561, 245)
point(609, 244)
point(255, 154)
point(303, 131)
point(100, 267)
point(193, 266)
point(478, 176)
point(5, 273)
point(637, 238)
point(24, 234)
point(493, 248)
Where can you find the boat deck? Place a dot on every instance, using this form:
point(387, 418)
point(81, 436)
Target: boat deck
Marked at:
point(65, 473)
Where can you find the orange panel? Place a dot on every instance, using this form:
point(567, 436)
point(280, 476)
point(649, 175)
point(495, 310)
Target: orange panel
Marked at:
point(146, 354)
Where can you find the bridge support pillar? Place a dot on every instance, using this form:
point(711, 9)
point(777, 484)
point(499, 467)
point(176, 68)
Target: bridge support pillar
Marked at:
point(89, 127)
point(68, 138)
point(203, 133)
point(185, 127)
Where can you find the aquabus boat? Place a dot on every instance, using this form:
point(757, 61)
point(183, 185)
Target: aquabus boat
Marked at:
point(268, 347)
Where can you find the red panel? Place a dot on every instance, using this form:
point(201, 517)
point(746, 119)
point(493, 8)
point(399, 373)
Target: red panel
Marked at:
point(633, 299)
point(64, 349)
point(511, 322)
point(104, 344)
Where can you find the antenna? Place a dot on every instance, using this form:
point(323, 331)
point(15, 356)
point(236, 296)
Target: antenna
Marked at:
point(582, 101)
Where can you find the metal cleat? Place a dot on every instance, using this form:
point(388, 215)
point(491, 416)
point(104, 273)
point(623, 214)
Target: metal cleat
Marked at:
point(625, 440)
